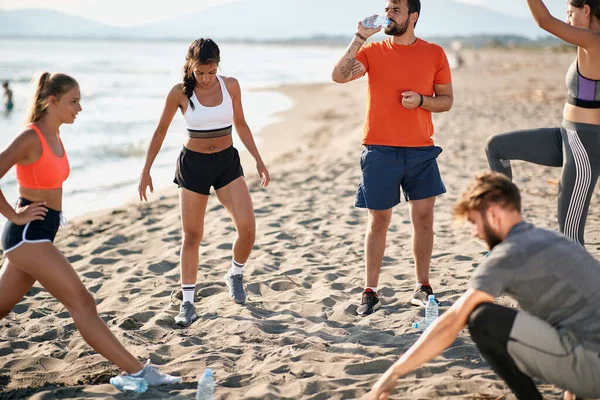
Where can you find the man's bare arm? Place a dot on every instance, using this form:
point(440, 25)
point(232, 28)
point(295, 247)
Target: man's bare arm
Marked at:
point(348, 68)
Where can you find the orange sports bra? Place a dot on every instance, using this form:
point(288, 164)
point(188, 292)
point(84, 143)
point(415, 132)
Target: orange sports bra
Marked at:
point(48, 172)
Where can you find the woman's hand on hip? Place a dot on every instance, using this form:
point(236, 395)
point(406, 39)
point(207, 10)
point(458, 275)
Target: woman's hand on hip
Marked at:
point(32, 212)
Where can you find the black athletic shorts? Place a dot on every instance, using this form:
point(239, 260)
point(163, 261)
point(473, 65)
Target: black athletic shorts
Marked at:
point(199, 171)
point(33, 232)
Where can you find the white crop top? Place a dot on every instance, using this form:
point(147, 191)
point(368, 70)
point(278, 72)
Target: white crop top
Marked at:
point(205, 122)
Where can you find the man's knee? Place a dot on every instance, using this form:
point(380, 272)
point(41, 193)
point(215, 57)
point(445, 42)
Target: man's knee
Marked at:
point(492, 320)
point(379, 221)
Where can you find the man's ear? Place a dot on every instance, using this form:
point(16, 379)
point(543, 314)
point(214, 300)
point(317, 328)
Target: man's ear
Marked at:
point(494, 215)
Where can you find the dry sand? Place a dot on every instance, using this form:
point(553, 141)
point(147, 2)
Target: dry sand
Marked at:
point(297, 337)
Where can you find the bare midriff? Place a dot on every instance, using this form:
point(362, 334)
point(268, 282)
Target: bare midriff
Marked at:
point(582, 115)
point(52, 197)
point(208, 146)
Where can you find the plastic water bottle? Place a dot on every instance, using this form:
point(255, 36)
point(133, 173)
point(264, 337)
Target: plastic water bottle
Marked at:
point(375, 22)
point(431, 310)
point(419, 325)
point(206, 386)
point(126, 382)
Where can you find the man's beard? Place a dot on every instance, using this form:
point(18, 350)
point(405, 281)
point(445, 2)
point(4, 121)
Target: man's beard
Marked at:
point(490, 236)
point(395, 29)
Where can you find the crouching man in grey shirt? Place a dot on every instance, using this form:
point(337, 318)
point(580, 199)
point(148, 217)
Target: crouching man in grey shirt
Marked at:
point(555, 336)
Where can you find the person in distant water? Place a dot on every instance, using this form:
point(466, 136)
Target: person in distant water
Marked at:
point(27, 240)
point(576, 144)
point(555, 333)
point(409, 79)
point(211, 104)
point(8, 97)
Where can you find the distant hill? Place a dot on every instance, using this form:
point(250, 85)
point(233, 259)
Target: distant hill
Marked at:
point(253, 20)
point(24, 23)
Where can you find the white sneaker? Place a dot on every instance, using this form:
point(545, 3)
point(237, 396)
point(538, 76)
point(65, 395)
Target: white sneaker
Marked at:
point(156, 378)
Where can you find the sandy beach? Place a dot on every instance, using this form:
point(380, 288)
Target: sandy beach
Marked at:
point(297, 337)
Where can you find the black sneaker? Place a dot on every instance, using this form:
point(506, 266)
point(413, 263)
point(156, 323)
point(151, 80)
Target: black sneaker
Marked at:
point(421, 296)
point(368, 304)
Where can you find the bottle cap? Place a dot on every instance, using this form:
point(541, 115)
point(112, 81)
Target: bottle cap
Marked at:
point(432, 297)
point(415, 325)
point(208, 372)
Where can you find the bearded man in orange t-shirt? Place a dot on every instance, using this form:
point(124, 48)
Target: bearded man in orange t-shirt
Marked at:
point(409, 79)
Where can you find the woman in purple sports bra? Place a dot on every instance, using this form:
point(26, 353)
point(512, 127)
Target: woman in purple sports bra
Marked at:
point(211, 106)
point(576, 144)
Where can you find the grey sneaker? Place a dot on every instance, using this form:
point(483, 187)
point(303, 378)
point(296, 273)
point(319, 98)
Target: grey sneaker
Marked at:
point(236, 287)
point(156, 378)
point(421, 296)
point(187, 314)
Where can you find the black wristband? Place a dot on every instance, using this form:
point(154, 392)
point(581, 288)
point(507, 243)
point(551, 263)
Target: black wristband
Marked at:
point(360, 36)
point(421, 102)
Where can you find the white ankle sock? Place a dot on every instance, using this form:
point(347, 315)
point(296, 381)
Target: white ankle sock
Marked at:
point(188, 292)
point(236, 268)
point(418, 286)
point(374, 289)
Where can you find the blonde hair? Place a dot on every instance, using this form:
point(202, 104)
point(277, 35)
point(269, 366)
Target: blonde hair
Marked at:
point(488, 188)
point(47, 85)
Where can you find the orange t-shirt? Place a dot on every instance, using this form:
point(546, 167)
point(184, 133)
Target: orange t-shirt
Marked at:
point(394, 69)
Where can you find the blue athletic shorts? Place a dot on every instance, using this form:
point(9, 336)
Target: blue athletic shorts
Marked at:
point(386, 169)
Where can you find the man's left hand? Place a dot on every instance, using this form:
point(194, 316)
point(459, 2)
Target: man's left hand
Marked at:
point(411, 100)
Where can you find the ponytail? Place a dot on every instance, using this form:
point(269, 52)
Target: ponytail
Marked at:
point(47, 85)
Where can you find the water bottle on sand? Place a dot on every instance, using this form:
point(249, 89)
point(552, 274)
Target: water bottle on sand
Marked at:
point(375, 22)
point(431, 314)
point(206, 386)
point(126, 382)
point(419, 325)
point(431, 310)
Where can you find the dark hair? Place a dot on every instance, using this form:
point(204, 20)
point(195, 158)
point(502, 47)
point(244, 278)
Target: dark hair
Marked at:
point(488, 188)
point(593, 4)
point(414, 6)
point(201, 52)
point(5, 84)
point(47, 85)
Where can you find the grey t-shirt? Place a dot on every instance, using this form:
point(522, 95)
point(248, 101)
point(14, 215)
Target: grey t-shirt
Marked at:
point(552, 277)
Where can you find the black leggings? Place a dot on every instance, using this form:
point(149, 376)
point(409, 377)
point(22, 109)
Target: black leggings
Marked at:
point(490, 326)
point(575, 147)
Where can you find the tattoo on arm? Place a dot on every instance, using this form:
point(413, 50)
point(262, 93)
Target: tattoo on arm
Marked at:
point(350, 67)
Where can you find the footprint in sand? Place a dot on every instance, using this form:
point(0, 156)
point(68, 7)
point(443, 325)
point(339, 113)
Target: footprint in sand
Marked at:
point(75, 258)
point(103, 261)
point(162, 267)
point(369, 367)
point(93, 274)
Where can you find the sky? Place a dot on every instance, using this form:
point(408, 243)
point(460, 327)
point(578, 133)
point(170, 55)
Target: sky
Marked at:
point(135, 12)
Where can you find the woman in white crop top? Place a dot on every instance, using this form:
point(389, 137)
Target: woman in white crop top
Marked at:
point(211, 106)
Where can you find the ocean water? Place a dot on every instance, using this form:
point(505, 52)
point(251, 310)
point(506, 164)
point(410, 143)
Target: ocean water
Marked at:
point(124, 85)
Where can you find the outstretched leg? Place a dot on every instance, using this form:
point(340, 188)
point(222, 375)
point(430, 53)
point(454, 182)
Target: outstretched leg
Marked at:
point(44, 263)
point(538, 146)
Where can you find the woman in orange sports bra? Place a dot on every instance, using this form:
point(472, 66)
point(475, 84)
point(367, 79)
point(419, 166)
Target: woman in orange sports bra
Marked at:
point(211, 105)
point(27, 240)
